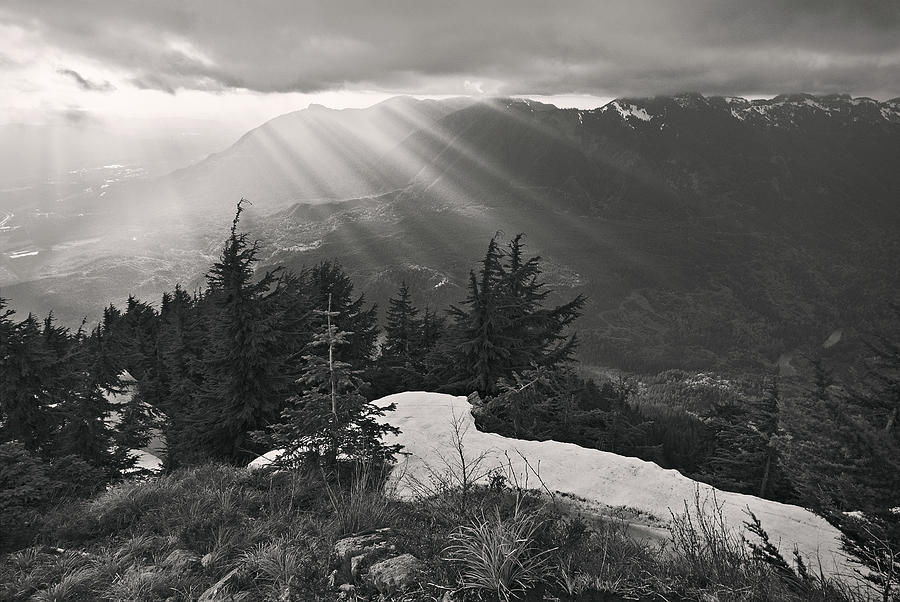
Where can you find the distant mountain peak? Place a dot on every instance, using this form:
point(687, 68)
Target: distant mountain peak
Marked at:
point(782, 111)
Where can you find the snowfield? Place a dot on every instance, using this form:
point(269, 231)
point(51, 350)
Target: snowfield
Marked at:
point(609, 483)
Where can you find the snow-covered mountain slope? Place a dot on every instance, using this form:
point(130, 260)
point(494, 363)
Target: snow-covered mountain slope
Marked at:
point(602, 478)
point(783, 111)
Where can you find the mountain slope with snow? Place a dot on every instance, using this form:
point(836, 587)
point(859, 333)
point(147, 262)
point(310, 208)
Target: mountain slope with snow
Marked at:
point(603, 479)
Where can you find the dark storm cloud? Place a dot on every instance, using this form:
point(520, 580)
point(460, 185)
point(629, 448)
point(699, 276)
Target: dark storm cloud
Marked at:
point(514, 46)
point(86, 84)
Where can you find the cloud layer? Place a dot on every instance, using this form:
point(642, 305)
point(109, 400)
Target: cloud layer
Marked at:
point(604, 48)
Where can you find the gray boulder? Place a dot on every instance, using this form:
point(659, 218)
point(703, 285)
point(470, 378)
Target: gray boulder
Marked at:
point(395, 574)
point(356, 553)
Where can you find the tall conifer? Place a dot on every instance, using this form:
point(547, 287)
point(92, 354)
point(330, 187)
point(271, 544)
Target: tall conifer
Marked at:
point(243, 371)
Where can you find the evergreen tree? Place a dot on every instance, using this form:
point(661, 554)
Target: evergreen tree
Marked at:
point(482, 347)
point(403, 329)
point(244, 376)
point(402, 353)
point(30, 382)
point(539, 339)
point(182, 336)
point(328, 280)
point(502, 327)
point(434, 328)
point(87, 430)
point(836, 450)
point(329, 418)
point(746, 456)
point(883, 379)
point(872, 541)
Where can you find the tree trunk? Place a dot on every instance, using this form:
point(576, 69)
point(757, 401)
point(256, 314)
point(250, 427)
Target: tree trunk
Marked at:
point(765, 479)
point(331, 360)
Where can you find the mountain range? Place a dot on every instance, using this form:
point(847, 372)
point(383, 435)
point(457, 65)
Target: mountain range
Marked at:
point(707, 232)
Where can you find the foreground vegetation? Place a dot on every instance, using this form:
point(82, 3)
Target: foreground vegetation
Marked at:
point(175, 536)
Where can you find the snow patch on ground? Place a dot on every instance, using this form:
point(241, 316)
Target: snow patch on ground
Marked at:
point(144, 461)
point(265, 460)
point(601, 478)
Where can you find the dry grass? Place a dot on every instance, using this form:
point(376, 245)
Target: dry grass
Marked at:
point(279, 529)
point(366, 504)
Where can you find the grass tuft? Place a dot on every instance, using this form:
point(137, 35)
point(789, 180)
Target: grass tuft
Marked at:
point(498, 554)
point(365, 505)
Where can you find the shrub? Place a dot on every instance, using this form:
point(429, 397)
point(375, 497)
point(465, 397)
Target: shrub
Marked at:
point(499, 555)
point(704, 543)
point(281, 568)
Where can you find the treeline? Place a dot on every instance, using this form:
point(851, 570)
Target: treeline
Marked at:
point(228, 371)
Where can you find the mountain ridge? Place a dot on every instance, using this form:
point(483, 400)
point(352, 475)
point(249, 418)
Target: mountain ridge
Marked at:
point(703, 241)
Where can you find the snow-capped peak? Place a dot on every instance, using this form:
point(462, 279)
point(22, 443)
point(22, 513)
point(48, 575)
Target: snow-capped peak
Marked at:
point(783, 111)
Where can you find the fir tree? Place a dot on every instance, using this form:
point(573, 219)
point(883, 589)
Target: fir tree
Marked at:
point(872, 541)
point(87, 431)
point(181, 341)
point(329, 418)
point(746, 456)
point(31, 384)
point(402, 352)
point(434, 328)
point(482, 348)
point(502, 327)
point(328, 280)
point(836, 450)
point(883, 379)
point(403, 328)
point(244, 376)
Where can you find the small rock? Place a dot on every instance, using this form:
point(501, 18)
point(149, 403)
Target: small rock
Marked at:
point(347, 591)
point(360, 562)
point(354, 545)
point(395, 574)
point(207, 559)
point(356, 553)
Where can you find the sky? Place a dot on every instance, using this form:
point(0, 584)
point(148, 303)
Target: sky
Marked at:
point(232, 64)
